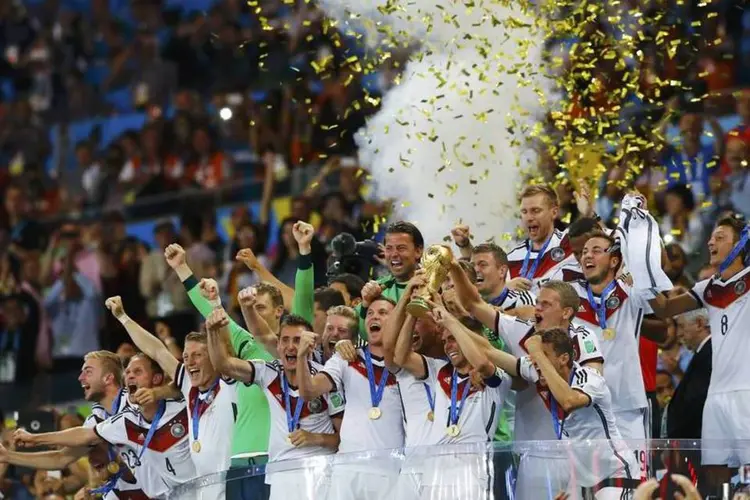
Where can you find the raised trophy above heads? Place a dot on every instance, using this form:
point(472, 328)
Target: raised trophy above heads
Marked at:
point(436, 263)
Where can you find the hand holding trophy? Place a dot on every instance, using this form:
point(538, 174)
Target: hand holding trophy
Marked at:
point(436, 264)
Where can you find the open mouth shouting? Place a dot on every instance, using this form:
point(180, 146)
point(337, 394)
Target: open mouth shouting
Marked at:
point(291, 358)
point(480, 278)
point(194, 374)
point(397, 265)
point(533, 230)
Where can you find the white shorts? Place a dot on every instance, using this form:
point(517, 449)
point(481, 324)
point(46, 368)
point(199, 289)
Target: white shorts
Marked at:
point(634, 427)
point(348, 484)
point(460, 476)
point(306, 484)
point(541, 477)
point(726, 416)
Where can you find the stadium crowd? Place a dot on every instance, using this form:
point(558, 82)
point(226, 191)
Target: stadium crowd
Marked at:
point(147, 324)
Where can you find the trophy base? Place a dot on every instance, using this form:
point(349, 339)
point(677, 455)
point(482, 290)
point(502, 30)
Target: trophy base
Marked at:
point(417, 307)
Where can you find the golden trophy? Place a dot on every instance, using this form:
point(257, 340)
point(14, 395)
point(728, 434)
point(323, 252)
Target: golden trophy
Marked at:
point(436, 264)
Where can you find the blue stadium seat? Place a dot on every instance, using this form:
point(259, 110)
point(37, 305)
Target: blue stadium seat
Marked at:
point(121, 99)
point(7, 90)
point(188, 6)
point(96, 74)
point(114, 126)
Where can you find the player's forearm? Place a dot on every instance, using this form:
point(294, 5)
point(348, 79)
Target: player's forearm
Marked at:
point(303, 302)
point(46, 460)
point(74, 438)
point(566, 397)
point(395, 324)
point(506, 362)
point(309, 388)
point(403, 342)
point(287, 292)
point(330, 441)
point(147, 343)
point(259, 327)
point(467, 294)
point(166, 391)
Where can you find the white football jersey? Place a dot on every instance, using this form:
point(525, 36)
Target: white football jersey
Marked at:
point(418, 426)
point(99, 456)
point(167, 462)
point(592, 423)
point(315, 415)
point(557, 254)
point(514, 299)
point(358, 431)
point(217, 412)
point(728, 305)
point(569, 272)
point(533, 421)
point(625, 312)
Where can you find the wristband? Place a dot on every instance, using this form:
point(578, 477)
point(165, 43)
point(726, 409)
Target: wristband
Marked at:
point(124, 319)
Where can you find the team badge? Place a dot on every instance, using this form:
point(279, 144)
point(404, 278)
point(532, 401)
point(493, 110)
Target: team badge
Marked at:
point(336, 400)
point(740, 287)
point(315, 406)
point(177, 430)
point(557, 254)
point(613, 302)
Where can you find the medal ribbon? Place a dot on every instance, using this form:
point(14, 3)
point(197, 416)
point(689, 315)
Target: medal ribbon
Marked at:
point(529, 273)
point(292, 421)
point(430, 399)
point(196, 404)
point(457, 407)
point(601, 309)
point(498, 301)
point(553, 408)
point(376, 393)
point(744, 237)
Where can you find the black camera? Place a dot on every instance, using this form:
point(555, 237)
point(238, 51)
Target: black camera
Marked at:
point(352, 256)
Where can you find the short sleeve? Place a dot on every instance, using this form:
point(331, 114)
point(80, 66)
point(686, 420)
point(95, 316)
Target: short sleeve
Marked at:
point(335, 369)
point(499, 379)
point(588, 346)
point(113, 430)
point(589, 382)
point(182, 381)
point(527, 370)
point(90, 422)
point(698, 290)
point(507, 327)
point(336, 403)
point(263, 372)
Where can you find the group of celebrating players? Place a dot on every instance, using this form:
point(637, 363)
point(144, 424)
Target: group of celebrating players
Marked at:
point(568, 305)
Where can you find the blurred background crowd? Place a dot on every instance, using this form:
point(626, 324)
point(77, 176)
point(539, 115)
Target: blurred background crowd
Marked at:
point(126, 125)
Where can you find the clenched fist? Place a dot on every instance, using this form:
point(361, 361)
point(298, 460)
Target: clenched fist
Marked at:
point(307, 342)
point(209, 289)
point(114, 304)
point(370, 292)
point(247, 297)
point(175, 255)
point(303, 234)
point(247, 257)
point(461, 235)
point(217, 320)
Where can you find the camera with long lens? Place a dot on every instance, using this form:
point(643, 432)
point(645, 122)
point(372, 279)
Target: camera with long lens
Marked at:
point(352, 256)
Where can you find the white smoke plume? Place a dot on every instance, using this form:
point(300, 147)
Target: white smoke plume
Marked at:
point(451, 140)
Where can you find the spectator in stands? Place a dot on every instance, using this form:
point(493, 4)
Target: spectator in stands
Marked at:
point(18, 337)
point(677, 263)
point(22, 233)
point(664, 388)
point(75, 311)
point(210, 166)
point(738, 188)
point(742, 108)
point(285, 260)
point(90, 170)
point(200, 257)
point(681, 222)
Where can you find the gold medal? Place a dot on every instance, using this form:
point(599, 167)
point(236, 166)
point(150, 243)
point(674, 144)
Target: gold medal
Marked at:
point(375, 413)
point(113, 467)
point(453, 431)
point(609, 333)
point(197, 446)
point(430, 416)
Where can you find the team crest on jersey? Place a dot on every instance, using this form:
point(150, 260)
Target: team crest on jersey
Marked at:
point(315, 406)
point(557, 254)
point(613, 302)
point(740, 287)
point(177, 430)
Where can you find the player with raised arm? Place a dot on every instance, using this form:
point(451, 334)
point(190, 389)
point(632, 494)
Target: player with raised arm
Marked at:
point(725, 296)
point(374, 415)
point(556, 306)
point(101, 380)
point(462, 412)
point(152, 439)
point(299, 429)
point(581, 410)
point(211, 399)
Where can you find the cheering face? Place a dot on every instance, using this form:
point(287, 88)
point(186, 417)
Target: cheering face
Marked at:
point(453, 351)
point(401, 255)
point(93, 380)
point(549, 312)
point(538, 217)
point(198, 364)
point(377, 315)
point(288, 344)
point(596, 261)
point(139, 374)
point(426, 331)
point(490, 275)
point(266, 310)
point(337, 328)
point(721, 244)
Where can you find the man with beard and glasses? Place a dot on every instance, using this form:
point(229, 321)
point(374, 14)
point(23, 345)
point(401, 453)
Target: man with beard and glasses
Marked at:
point(211, 399)
point(299, 429)
point(403, 250)
point(556, 306)
point(152, 438)
point(374, 414)
point(101, 380)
